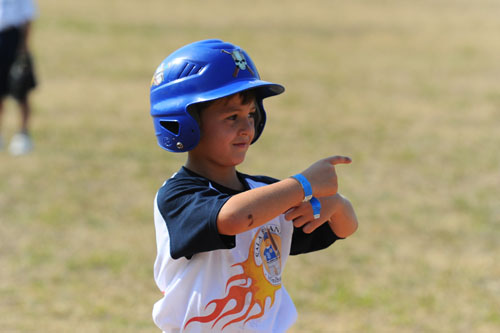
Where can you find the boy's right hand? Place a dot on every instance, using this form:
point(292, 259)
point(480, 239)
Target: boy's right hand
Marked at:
point(323, 177)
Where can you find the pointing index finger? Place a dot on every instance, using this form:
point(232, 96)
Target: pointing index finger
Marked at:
point(339, 160)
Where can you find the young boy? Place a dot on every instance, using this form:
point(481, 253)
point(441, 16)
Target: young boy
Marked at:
point(223, 237)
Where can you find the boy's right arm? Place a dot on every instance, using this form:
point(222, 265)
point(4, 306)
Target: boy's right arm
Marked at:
point(256, 207)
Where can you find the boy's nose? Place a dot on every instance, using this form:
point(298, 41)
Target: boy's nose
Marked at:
point(247, 126)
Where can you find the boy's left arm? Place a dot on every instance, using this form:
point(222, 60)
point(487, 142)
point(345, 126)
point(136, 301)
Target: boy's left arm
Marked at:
point(336, 210)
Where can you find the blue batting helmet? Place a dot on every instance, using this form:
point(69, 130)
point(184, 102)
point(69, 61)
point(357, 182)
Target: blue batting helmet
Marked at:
point(200, 72)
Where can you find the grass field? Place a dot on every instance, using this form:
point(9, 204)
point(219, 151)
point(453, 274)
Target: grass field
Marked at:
point(409, 89)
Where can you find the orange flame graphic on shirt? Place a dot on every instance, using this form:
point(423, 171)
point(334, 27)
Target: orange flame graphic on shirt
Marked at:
point(252, 281)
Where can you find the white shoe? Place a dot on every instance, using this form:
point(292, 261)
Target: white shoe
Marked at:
point(20, 144)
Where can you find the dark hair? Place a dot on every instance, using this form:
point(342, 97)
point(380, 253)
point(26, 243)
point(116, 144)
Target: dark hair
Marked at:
point(247, 96)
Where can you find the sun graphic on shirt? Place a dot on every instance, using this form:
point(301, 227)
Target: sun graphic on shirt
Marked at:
point(261, 278)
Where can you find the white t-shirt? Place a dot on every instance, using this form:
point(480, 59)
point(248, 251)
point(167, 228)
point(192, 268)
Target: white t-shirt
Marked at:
point(212, 282)
point(15, 13)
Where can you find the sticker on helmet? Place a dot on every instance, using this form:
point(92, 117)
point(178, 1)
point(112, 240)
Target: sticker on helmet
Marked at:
point(239, 61)
point(158, 76)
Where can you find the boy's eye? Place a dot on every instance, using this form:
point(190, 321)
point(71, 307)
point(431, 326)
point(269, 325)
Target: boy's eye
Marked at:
point(251, 115)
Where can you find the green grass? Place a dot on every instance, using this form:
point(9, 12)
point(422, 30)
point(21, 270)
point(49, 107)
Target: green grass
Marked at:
point(408, 89)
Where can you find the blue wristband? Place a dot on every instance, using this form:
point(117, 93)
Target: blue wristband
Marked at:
point(316, 205)
point(306, 186)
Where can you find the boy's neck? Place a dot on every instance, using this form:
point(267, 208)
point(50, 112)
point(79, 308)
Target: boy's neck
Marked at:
point(225, 176)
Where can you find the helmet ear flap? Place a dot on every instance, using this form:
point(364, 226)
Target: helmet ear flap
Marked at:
point(178, 134)
point(260, 119)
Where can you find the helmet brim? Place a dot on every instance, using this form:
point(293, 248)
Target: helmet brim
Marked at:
point(264, 89)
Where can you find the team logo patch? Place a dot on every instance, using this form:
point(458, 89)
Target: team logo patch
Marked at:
point(239, 61)
point(258, 280)
point(267, 253)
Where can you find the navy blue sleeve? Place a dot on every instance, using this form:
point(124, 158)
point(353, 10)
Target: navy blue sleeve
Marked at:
point(190, 208)
point(319, 239)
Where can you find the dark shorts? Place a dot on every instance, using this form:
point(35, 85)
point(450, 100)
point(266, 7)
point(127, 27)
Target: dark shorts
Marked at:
point(9, 42)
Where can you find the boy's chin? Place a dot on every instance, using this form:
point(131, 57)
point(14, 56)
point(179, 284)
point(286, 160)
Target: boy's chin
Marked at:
point(237, 161)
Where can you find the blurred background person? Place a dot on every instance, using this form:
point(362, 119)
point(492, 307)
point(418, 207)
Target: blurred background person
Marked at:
point(16, 73)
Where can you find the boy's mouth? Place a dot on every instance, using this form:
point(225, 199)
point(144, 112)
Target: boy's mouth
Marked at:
point(241, 144)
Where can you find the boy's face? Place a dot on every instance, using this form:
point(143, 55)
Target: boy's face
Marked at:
point(227, 129)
